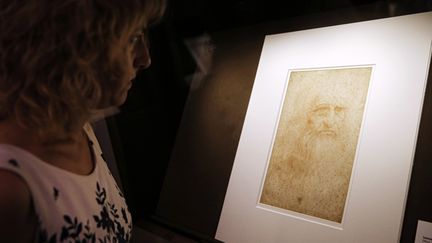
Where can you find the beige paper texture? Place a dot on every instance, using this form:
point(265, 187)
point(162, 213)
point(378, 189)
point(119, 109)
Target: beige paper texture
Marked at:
point(313, 153)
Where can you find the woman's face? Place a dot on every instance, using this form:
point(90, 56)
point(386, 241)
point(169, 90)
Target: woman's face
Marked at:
point(137, 57)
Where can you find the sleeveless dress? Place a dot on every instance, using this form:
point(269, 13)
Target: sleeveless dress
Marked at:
point(71, 207)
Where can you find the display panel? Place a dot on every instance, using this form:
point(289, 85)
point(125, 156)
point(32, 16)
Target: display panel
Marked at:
point(315, 144)
point(398, 52)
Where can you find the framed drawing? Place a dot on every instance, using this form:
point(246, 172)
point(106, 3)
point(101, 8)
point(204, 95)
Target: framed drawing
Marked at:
point(314, 147)
point(329, 136)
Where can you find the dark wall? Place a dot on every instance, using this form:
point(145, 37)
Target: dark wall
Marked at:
point(207, 140)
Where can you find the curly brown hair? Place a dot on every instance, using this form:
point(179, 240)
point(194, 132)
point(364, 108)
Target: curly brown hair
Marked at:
point(60, 60)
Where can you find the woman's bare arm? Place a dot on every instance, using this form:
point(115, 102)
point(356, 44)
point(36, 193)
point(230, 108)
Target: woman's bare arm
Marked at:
point(17, 220)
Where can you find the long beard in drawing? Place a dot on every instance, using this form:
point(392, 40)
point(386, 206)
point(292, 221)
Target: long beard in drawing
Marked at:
point(321, 153)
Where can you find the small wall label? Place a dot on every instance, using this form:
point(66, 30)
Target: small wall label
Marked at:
point(424, 232)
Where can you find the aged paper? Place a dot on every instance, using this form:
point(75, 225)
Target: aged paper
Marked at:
point(315, 145)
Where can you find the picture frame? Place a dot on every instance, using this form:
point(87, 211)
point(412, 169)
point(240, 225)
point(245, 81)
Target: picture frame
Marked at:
point(314, 146)
point(399, 51)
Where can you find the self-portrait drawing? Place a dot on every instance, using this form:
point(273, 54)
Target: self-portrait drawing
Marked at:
point(315, 145)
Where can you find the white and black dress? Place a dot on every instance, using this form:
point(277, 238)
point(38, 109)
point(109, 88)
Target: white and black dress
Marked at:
point(72, 207)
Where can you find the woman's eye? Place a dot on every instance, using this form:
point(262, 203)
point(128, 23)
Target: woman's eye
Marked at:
point(135, 39)
point(139, 37)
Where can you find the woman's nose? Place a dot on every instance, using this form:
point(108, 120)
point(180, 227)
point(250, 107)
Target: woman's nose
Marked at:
point(142, 58)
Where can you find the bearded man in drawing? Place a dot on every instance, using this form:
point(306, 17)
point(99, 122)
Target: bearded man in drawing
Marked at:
point(313, 173)
point(312, 157)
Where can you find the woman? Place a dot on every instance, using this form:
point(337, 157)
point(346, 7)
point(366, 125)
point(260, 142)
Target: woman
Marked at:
point(62, 62)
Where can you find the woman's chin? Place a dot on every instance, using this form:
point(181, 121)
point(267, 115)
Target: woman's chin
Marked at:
point(120, 98)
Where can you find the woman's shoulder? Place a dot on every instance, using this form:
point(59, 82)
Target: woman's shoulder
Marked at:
point(16, 218)
point(14, 191)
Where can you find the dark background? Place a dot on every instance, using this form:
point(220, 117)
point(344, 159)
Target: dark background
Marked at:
point(176, 136)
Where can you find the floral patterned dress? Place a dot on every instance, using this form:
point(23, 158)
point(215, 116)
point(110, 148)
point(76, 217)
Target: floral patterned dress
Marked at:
point(71, 207)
